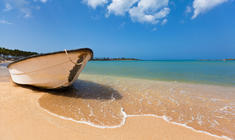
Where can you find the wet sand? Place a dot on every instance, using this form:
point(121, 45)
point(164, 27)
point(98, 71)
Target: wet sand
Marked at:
point(30, 113)
point(106, 101)
point(23, 119)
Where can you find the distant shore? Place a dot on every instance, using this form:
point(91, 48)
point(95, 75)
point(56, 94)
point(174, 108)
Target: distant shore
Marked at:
point(114, 59)
point(12, 55)
point(7, 55)
point(229, 59)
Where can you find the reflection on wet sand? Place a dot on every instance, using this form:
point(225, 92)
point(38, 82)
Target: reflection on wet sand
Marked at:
point(85, 90)
point(85, 101)
point(4, 73)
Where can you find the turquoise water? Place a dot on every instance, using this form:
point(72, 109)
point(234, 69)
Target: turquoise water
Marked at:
point(208, 72)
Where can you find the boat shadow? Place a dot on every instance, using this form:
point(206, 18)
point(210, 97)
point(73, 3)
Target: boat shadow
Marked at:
point(85, 90)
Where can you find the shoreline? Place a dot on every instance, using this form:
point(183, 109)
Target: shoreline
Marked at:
point(6, 61)
point(22, 118)
point(164, 118)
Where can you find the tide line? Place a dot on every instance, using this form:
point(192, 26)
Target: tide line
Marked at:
point(125, 116)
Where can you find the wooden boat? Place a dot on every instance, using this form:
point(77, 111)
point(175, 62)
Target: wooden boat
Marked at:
point(51, 70)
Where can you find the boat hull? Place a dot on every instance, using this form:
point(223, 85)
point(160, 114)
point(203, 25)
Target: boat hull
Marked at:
point(50, 71)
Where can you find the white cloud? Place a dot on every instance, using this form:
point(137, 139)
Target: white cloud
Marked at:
point(8, 7)
point(188, 10)
point(43, 1)
point(154, 29)
point(95, 3)
point(24, 7)
point(27, 12)
point(5, 22)
point(201, 6)
point(120, 7)
point(150, 11)
point(164, 21)
point(144, 11)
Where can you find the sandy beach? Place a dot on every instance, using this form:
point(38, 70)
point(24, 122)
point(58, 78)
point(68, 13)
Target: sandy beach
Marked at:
point(24, 117)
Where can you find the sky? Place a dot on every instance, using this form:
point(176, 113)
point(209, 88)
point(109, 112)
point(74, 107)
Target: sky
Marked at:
point(144, 29)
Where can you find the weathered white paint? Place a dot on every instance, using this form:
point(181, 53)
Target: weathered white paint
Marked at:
point(48, 71)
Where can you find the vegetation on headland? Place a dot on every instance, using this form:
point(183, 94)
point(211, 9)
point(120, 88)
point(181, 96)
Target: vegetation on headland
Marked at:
point(9, 54)
point(15, 52)
point(113, 59)
point(228, 59)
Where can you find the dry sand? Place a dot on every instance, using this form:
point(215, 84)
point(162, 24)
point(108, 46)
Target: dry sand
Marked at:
point(21, 118)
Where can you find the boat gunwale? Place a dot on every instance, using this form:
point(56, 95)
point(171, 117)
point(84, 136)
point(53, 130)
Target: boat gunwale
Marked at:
point(45, 54)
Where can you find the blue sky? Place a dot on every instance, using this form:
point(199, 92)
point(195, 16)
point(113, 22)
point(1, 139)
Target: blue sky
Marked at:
point(146, 29)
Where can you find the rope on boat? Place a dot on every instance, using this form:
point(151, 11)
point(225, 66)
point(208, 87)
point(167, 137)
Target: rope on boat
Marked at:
point(71, 59)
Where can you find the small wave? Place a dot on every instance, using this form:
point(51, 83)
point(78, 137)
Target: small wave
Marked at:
point(125, 116)
point(198, 107)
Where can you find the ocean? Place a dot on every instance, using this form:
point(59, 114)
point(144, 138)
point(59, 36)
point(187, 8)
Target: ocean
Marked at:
point(206, 72)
